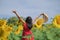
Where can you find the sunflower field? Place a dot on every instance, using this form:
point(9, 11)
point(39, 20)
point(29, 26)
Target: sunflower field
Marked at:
point(11, 29)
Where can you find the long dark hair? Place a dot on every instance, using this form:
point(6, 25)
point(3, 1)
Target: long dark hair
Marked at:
point(29, 22)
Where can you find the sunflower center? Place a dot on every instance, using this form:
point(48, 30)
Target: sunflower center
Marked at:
point(58, 20)
point(40, 21)
point(1, 32)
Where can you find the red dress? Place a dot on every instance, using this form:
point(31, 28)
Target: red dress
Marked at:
point(27, 31)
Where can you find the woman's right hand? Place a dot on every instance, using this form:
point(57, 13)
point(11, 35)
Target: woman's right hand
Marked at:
point(45, 17)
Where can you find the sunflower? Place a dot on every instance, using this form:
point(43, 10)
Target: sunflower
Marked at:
point(56, 21)
point(3, 34)
point(39, 23)
point(20, 27)
point(2, 23)
point(4, 30)
point(8, 30)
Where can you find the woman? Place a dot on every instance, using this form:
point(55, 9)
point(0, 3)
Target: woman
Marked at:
point(27, 25)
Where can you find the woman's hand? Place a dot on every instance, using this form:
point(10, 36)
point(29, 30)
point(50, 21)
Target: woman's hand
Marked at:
point(42, 14)
point(14, 11)
point(45, 17)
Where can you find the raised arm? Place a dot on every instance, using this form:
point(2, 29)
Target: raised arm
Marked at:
point(20, 19)
point(45, 17)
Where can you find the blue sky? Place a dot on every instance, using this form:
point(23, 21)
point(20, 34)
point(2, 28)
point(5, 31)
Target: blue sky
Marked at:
point(29, 7)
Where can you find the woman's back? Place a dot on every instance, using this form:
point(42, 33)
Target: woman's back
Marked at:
point(27, 34)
